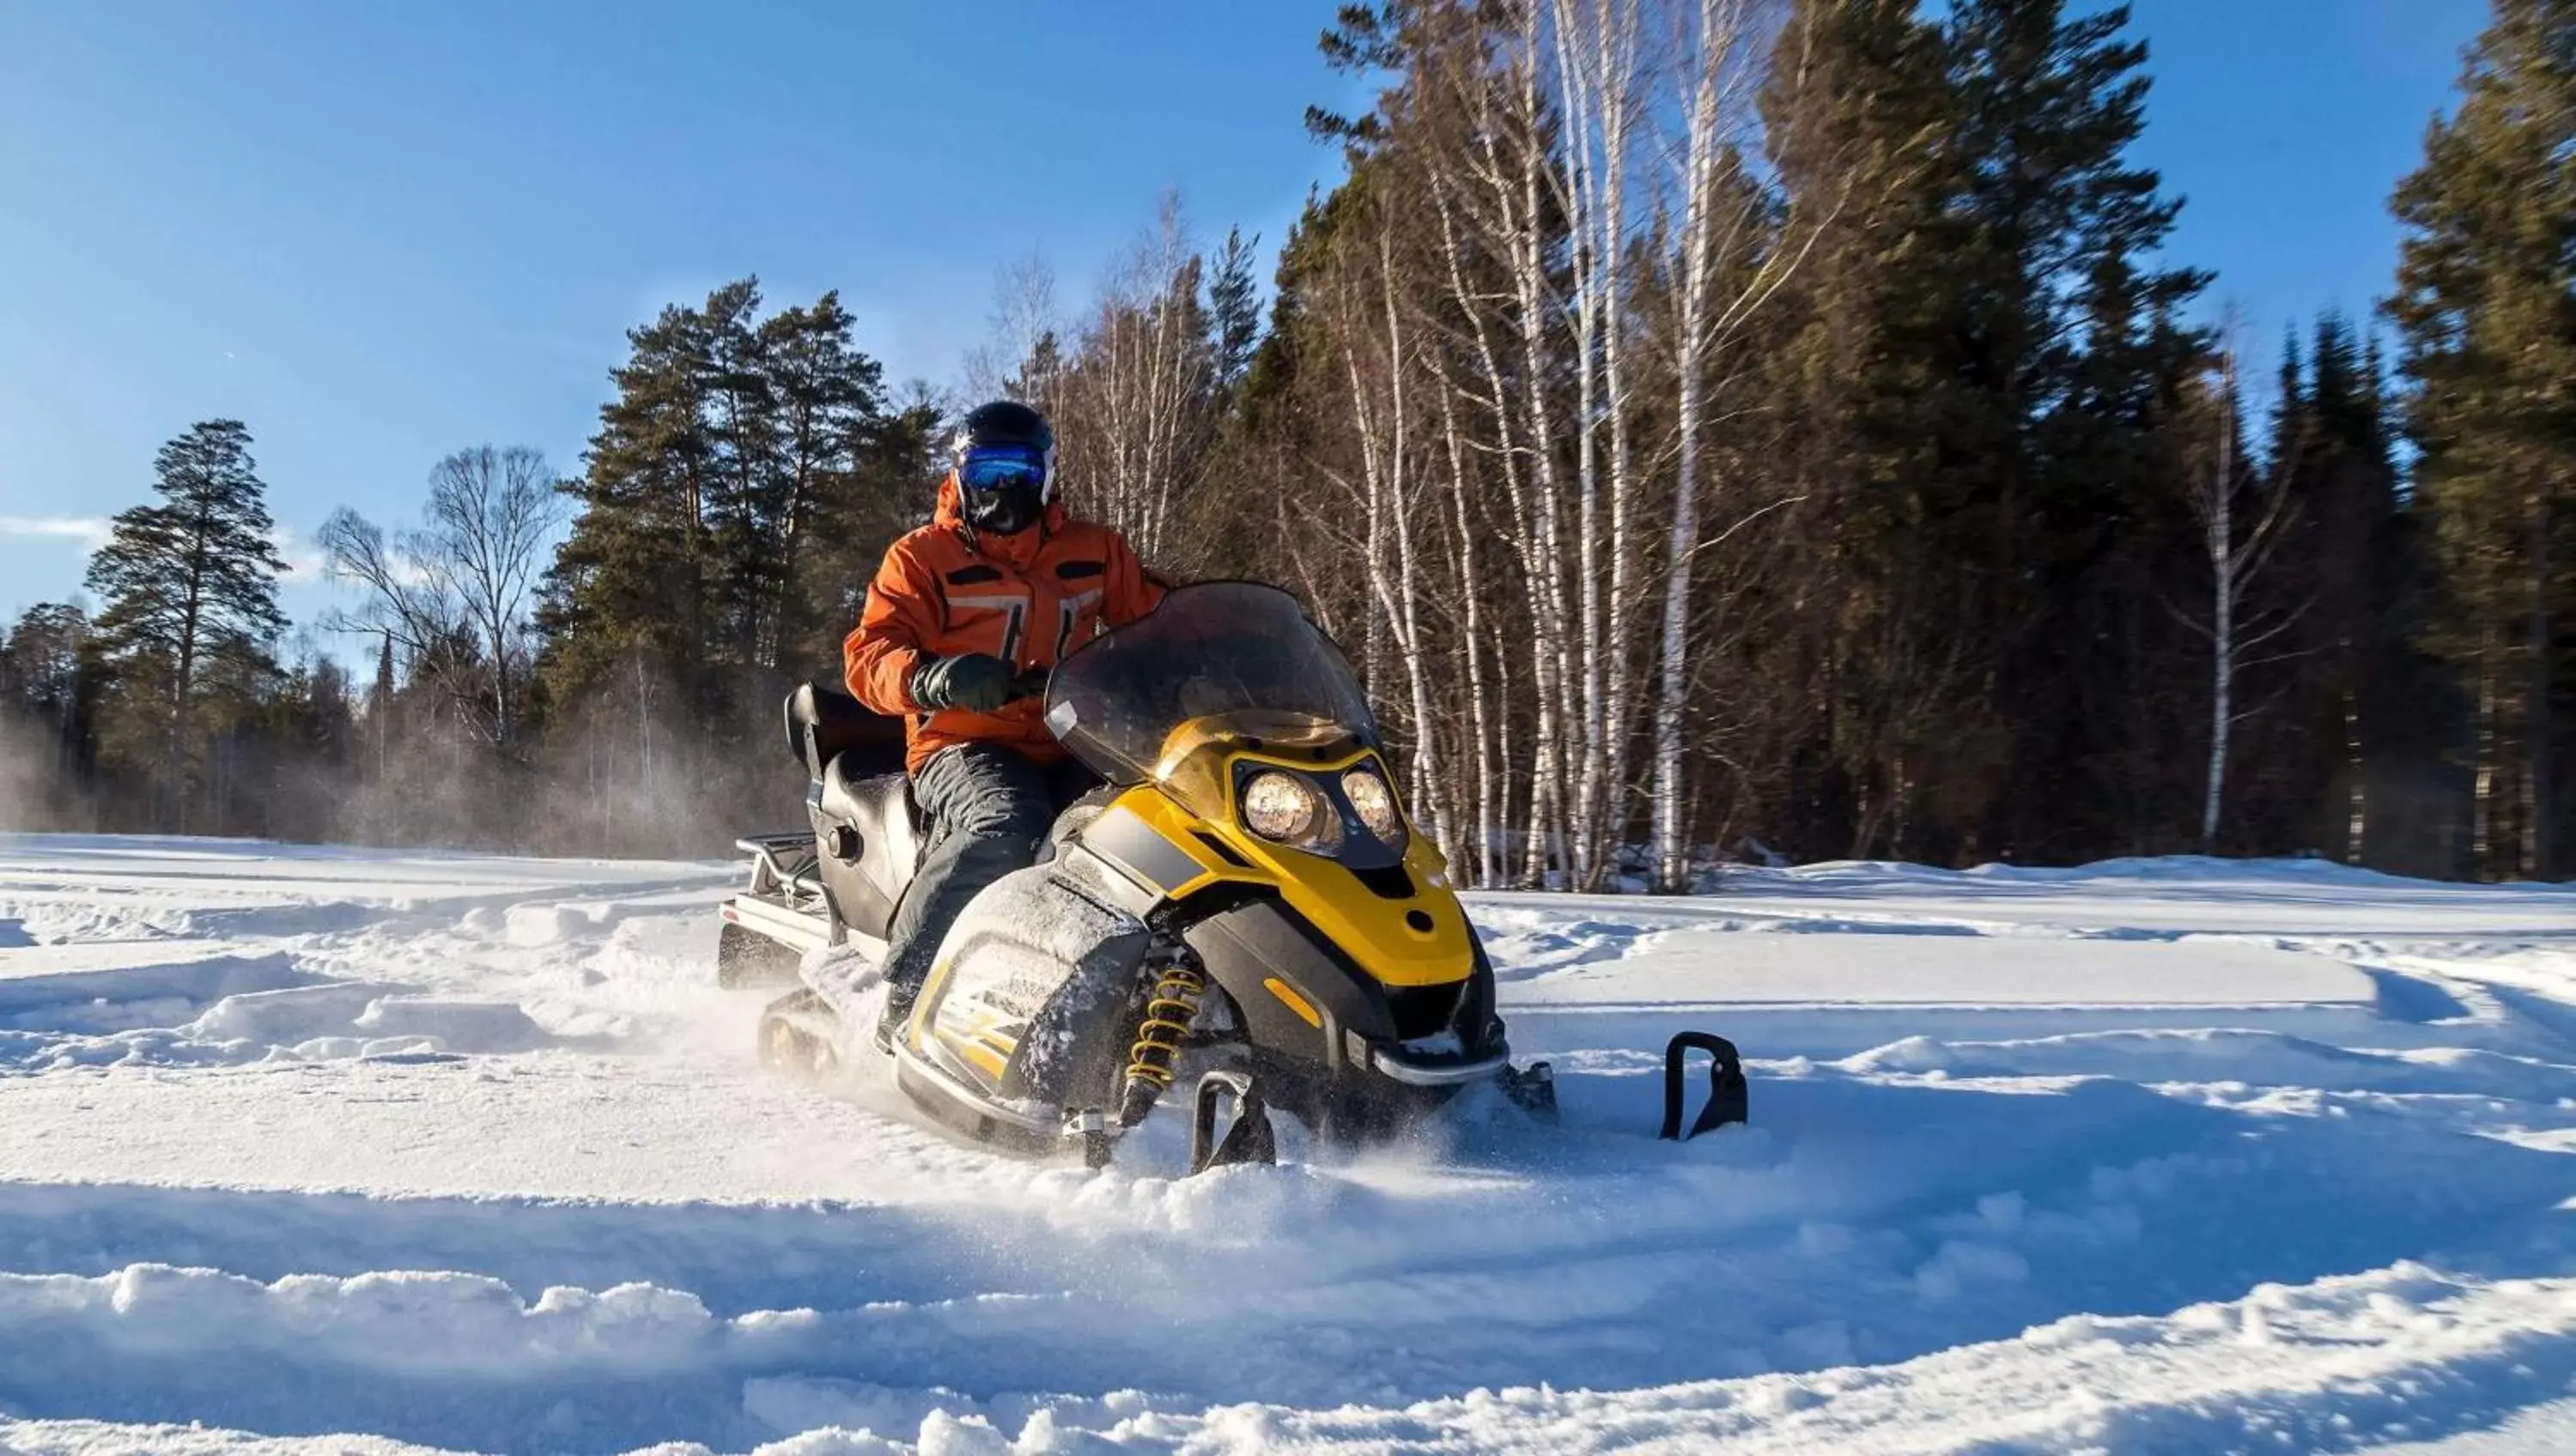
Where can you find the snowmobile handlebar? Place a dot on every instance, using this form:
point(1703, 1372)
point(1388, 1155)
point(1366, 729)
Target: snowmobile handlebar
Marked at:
point(1029, 682)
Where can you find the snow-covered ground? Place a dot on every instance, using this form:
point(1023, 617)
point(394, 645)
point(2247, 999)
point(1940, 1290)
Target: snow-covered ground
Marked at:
point(308, 1150)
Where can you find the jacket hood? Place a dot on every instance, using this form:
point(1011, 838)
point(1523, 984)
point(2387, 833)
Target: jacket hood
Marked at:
point(1017, 549)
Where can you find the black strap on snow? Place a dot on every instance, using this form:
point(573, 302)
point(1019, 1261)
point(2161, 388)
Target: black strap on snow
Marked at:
point(1726, 1090)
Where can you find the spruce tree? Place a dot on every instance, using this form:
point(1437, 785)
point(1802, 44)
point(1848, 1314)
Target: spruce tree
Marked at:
point(49, 686)
point(2068, 349)
point(1234, 310)
point(2486, 313)
point(190, 583)
point(1982, 348)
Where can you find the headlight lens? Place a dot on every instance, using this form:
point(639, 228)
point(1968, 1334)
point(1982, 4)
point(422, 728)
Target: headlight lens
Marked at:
point(1286, 809)
point(1375, 802)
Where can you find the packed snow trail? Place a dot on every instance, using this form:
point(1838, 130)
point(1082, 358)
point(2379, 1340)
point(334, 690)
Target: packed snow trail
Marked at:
point(307, 1150)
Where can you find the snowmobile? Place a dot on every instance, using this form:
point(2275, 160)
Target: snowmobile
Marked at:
point(1244, 899)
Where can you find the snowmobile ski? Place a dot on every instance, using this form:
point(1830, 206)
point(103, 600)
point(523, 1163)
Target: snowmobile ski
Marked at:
point(1248, 1138)
point(1727, 1096)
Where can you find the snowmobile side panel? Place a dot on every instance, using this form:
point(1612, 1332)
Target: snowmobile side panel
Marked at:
point(1252, 943)
point(1122, 837)
point(1100, 879)
point(1030, 996)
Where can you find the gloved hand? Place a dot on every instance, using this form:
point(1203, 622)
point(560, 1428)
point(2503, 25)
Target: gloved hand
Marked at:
point(977, 681)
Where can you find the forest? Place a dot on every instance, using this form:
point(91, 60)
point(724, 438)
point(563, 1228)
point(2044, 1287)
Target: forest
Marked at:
point(1716, 430)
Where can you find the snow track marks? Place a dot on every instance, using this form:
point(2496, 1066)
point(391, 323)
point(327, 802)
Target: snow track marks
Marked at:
point(336, 1151)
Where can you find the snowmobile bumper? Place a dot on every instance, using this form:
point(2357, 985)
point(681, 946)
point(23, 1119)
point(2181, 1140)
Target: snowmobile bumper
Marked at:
point(968, 1110)
point(1400, 1066)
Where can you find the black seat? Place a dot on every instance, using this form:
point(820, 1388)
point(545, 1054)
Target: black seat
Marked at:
point(871, 839)
point(860, 802)
point(825, 723)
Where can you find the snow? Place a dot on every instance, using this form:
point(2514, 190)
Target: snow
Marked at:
point(323, 1150)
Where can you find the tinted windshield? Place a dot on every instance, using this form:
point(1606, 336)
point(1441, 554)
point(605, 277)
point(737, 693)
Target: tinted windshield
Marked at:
point(1226, 648)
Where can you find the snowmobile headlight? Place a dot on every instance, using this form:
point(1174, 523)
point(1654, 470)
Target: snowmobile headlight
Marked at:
point(1287, 809)
point(1375, 803)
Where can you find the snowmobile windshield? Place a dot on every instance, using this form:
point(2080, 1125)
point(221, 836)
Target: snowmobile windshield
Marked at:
point(1225, 658)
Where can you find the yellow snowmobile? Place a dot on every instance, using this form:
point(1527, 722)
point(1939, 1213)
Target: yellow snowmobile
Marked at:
point(1243, 903)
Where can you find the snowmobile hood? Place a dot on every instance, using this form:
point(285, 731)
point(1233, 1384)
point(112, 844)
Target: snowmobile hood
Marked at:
point(1016, 550)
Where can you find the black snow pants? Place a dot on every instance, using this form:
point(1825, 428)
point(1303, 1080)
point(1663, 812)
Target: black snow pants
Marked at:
point(989, 809)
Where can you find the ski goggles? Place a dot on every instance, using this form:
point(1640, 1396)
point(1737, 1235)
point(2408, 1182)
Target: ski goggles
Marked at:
point(997, 467)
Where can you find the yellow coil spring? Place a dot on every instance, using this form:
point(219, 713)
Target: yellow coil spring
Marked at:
point(1168, 1014)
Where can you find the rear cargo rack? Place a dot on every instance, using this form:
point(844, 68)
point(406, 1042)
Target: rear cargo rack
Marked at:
point(784, 900)
point(783, 867)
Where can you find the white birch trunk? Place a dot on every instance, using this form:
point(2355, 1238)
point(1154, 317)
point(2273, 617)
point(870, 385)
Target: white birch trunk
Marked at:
point(2234, 564)
point(1481, 866)
point(1697, 272)
point(1426, 758)
point(1576, 193)
point(2218, 522)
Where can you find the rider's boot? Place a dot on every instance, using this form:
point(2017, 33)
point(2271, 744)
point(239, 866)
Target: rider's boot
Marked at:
point(900, 994)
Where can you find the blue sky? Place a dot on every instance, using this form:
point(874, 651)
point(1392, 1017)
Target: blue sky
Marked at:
point(380, 233)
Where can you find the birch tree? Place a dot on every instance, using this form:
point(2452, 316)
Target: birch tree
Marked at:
point(1135, 405)
point(2238, 538)
point(456, 594)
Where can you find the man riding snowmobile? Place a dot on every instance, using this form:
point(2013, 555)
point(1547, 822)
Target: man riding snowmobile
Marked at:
point(1245, 904)
point(962, 616)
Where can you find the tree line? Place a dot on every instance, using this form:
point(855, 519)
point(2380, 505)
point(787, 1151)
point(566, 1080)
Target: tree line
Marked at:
point(1714, 428)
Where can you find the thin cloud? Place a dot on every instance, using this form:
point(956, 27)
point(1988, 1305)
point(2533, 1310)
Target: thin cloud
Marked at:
point(90, 530)
point(304, 561)
point(303, 558)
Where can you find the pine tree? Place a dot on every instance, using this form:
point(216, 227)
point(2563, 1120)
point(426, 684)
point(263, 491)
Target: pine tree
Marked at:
point(1855, 101)
point(1234, 309)
point(832, 421)
point(2486, 312)
point(190, 583)
point(630, 583)
point(1982, 350)
point(48, 696)
point(743, 457)
point(2351, 692)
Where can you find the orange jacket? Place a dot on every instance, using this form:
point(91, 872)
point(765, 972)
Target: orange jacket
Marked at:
point(1028, 598)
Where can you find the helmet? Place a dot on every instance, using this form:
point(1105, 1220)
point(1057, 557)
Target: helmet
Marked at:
point(1003, 456)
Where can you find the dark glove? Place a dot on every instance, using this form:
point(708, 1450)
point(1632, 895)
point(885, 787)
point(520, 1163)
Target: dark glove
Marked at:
point(975, 681)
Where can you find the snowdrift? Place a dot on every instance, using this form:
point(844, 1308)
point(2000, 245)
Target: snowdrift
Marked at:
point(309, 1150)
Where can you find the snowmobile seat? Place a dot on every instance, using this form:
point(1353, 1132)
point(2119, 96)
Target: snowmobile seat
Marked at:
point(871, 835)
point(825, 723)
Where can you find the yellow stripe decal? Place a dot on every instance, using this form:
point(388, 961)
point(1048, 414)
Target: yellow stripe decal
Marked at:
point(984, 1057)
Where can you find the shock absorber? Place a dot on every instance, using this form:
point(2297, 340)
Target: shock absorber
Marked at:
point(1160, 1033)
